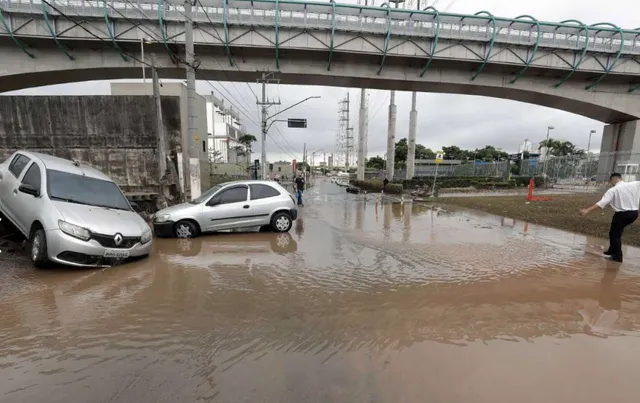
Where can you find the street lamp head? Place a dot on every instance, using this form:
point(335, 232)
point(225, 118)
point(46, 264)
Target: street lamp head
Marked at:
point(550, 127)
point(592, 132)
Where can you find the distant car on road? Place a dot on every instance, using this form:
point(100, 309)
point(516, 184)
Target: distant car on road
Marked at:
point(70, 213)
point(231, 205)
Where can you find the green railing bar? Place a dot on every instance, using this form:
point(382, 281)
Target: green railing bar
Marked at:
point(584, 51)
point(443, 14)
point(434, 43)
point(277, 35)
point(387, 36)
point(533, 52)
point(13, 37)
point(333, 33)
point(493, 40)
point(226, 31)
point(113, 39)
point(163, 28)
point(635, 86)
point(63, 48)
point(610, 64)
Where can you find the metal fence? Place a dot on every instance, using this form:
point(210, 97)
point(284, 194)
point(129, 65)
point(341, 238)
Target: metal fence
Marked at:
point(570, 169)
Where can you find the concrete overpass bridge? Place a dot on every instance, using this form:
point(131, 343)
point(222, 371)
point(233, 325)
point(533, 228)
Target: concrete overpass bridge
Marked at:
point(591, 70)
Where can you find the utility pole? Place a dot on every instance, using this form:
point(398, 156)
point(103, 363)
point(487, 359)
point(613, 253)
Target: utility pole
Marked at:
point(411, 149)
point(162, 152)
point(189, 146)
point(264, 79)
point(362, 134)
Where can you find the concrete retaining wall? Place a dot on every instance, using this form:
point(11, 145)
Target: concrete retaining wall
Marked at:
point(116, 134)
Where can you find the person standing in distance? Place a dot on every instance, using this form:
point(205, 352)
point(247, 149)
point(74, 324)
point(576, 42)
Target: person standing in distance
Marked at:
point(299, 189)
point(385, 183)
point(624, 198)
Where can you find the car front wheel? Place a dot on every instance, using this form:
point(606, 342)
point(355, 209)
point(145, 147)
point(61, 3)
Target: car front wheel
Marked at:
point(38, 252)
point(281, 222)
point(185, 229)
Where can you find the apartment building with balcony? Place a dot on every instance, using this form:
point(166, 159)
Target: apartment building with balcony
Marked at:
point(224, 130)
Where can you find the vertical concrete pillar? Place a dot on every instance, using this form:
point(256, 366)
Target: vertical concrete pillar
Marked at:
point(362, 117)
point(620, 145)
point(411, 151)
point(391, 137)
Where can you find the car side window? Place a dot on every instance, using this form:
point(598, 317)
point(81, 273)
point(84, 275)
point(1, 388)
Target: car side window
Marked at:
point(262, 192)
point(17, 165)
point(33, 176)
point(233, 195)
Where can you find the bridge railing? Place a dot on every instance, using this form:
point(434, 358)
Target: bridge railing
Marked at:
point(350, 17)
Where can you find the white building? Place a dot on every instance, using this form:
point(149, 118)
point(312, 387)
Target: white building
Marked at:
point(224, 130)
point(527, 147)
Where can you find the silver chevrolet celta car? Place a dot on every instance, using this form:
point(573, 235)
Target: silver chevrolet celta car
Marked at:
point(70, 213)
point(227, 206)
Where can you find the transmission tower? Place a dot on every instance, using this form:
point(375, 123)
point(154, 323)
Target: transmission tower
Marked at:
point(345, 132)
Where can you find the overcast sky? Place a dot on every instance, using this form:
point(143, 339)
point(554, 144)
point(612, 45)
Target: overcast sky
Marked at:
point(443, 119)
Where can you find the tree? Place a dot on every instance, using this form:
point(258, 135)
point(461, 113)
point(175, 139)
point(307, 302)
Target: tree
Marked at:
point(376, 162)
point(489, 154)
point(215, 156)
point(560, 148)
point(303, 166)
point(244, 149)
point(423, 153)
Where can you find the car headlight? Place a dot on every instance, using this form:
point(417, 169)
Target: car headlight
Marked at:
point(162, 218)
point(74, 230)
point(146, 237)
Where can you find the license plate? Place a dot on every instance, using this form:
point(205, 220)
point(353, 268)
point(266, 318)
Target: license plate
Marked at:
point(118, 254)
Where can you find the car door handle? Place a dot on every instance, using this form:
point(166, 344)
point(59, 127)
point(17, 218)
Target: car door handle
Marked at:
point(245, 206)
point(15, 191)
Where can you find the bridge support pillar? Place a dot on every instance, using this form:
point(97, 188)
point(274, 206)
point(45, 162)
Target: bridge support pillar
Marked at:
point(391, 137)
point(362, 134)
point(620, 145)
point(411, 149)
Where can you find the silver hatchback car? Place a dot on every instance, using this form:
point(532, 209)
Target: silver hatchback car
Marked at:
point(70, 213)
point(231, 205)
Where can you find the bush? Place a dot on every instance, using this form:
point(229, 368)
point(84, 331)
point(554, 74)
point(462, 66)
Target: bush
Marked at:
point(445, 182)
point(523, 181)
point(373, 185)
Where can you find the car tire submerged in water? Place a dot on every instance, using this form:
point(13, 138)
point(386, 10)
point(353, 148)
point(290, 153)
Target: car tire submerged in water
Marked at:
point(281, 222)
point(38, 248)
point(185, 229)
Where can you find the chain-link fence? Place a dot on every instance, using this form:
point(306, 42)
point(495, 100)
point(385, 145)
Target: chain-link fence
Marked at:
point(571, 169)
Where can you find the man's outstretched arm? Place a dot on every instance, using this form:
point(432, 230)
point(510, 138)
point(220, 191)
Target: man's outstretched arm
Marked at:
point(606, 199)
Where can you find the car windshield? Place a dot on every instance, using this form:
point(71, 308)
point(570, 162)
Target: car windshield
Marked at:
point(80, 189)
point(206, 195)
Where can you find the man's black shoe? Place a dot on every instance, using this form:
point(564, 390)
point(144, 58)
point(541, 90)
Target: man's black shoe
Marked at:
point(606, 252)
point(615, 259)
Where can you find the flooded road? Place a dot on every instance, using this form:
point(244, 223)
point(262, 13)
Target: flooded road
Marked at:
point(361, 302)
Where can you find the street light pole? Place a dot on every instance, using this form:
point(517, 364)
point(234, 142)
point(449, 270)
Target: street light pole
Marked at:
point(589, 144)
point(589, 154)
point(266, 124)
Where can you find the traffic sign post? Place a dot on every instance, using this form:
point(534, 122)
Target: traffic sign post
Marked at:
point(439, 158)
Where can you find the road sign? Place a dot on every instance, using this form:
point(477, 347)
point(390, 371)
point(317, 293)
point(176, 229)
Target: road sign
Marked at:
point(439, 157)
point(297, 123)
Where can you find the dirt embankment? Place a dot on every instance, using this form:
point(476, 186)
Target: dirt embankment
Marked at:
point(562, 212)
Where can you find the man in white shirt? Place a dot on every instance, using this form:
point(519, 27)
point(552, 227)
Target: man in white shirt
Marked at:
point(624, 199)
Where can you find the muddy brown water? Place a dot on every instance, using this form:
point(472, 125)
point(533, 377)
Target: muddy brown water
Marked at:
point(361, 302)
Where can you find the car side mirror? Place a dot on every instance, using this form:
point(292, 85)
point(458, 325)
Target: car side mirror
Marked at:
point(29, 189)
point(213, 202)
point(134, 205)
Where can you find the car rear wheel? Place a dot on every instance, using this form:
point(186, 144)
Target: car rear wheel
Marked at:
point(185, 229)
point(38, 252)
point(281, 222)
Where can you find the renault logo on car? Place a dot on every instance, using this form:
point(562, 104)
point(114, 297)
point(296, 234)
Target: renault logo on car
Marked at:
point(118, 239)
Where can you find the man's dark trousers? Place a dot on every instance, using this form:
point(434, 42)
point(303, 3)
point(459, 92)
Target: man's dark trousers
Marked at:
point(619, 221)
